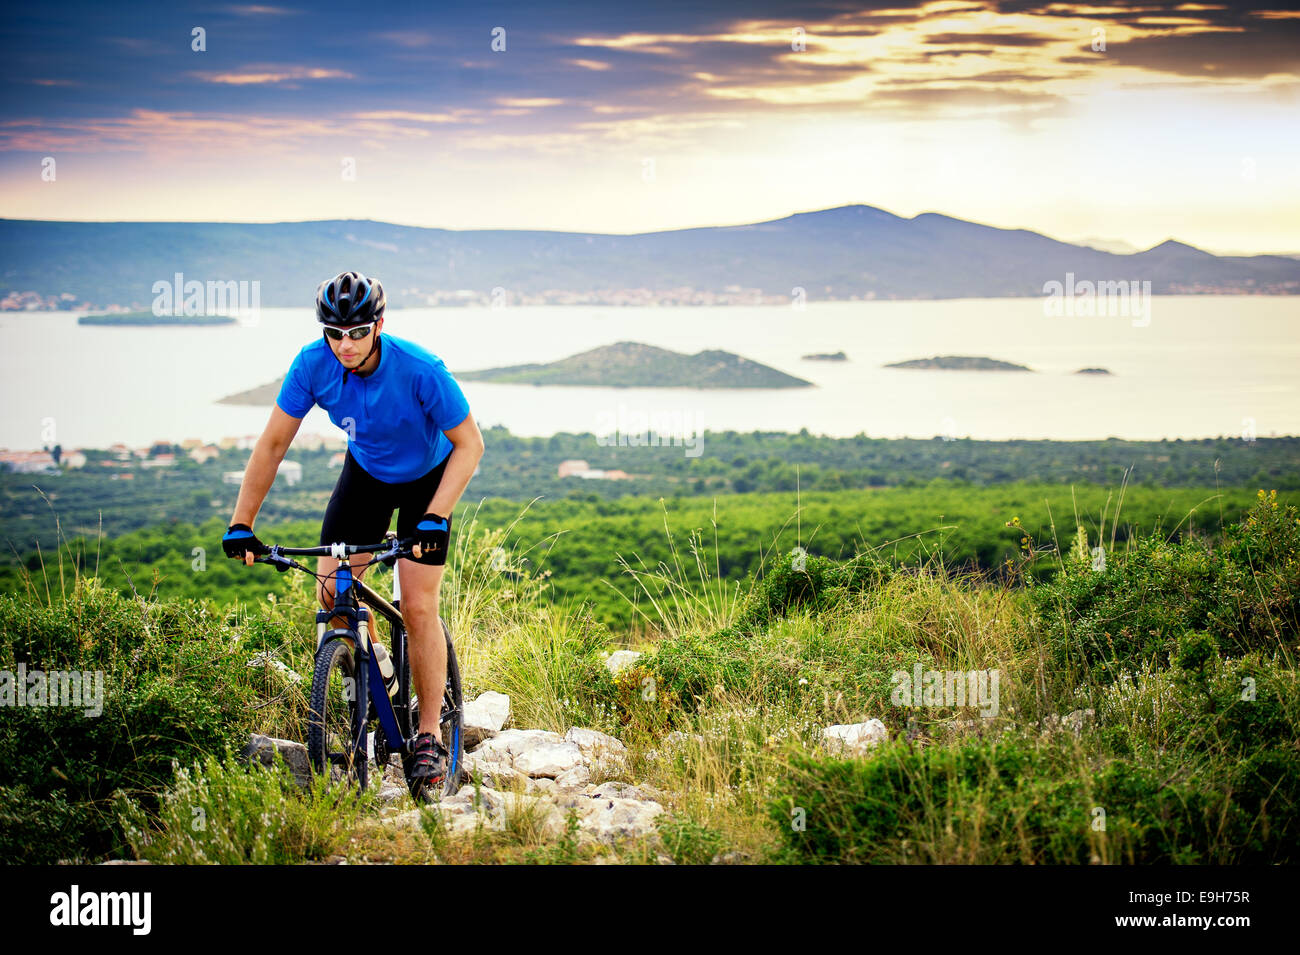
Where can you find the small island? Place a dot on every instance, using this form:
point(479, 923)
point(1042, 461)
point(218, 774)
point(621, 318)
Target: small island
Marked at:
point(838, 356)
point(621, 365)
point(636, 365)
point(149, 318)
point(1093, 371)
point(959, 363)
point(261, 395)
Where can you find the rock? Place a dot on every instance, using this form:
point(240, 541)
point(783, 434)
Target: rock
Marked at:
point(575, 778)
point(264, 748)
point(267, 659)
point(593, 743)
point(855, 738)
point(734, 857)
point(1075, 720)
point(616, 789)
point(485, 716)
point(512, 743)
point(548, 759)
point(391, 794)
point(614, 820)
point(494, 770)
point(460, 813)
point(620, 660)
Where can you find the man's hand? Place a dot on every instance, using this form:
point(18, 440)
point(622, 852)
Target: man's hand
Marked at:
point(432, 535)
point(240, 542)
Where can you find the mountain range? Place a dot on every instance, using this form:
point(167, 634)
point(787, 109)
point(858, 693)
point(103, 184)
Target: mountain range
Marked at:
point(854, 251)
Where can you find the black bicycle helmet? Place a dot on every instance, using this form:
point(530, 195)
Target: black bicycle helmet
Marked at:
point(349, 299)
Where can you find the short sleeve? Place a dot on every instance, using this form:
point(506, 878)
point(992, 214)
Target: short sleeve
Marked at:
point(441, 397)
point(296, 397)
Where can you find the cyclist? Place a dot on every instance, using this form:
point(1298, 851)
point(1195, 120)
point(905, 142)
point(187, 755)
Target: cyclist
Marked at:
point(413, 445)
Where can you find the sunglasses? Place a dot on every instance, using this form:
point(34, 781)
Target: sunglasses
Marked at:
point(356, 334)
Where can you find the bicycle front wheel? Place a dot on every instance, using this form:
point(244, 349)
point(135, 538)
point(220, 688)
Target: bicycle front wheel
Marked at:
point(334, 720)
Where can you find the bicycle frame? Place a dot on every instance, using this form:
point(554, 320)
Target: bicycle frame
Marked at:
point(346, 589)
point(392, 712)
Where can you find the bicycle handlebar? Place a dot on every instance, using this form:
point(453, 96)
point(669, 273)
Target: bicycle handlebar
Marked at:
point(389, 550)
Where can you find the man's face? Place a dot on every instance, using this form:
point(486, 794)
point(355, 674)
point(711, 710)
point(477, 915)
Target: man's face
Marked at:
point(353, 353)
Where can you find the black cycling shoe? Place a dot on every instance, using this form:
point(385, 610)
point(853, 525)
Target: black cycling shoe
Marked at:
point(428, 765)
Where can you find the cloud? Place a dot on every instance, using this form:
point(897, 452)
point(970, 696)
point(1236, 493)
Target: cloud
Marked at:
point(991, 39)
point(257, 10)
point(529, 103)
point(274, 75)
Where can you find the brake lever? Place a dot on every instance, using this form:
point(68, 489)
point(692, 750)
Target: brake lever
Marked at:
point(393, 554)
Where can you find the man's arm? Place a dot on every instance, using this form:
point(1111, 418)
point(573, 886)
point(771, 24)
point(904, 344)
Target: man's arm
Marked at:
point(466, 450)
point(259, 475)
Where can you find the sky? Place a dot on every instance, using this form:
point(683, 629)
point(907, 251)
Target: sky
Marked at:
point(1128, 122)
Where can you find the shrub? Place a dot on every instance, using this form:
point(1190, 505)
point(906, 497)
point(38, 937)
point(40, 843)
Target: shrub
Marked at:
point(809, 582)
point(175, 686)
point(1243, 595)
point(226, 813)
point(1014, 800)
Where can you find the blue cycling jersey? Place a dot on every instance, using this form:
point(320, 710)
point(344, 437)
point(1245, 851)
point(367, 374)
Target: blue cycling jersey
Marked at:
point(395, 416)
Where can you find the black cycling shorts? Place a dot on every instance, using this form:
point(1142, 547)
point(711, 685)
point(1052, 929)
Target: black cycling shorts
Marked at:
point(361, 507)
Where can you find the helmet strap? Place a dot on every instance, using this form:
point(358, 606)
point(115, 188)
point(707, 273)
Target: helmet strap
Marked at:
point(374, 334)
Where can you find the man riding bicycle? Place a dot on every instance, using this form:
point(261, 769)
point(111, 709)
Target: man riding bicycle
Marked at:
point(413, 445)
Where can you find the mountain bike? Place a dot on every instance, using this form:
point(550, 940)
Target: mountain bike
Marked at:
point(357, 711)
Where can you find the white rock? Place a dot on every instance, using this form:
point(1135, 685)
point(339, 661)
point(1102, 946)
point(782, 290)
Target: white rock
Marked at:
point(593, 743)
point(263, 749)
point(497, 772)
point(485, 716)
point(620, 660)
point(855, 738)
point(548, 759)
point(512, 743)
point(613, 820)
point(617, 789)
point(572, 779)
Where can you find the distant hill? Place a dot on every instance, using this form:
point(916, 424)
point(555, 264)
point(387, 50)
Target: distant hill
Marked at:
point(635, 365)
point(842, 253)
point(959, 363)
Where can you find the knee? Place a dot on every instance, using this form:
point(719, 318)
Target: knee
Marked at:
point(421, 609)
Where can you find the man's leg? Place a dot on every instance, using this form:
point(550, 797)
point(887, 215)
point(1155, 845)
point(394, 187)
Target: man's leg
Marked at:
point(428, 647)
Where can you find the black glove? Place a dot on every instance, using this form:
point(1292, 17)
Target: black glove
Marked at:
point(432, 533)
point(239, 538)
